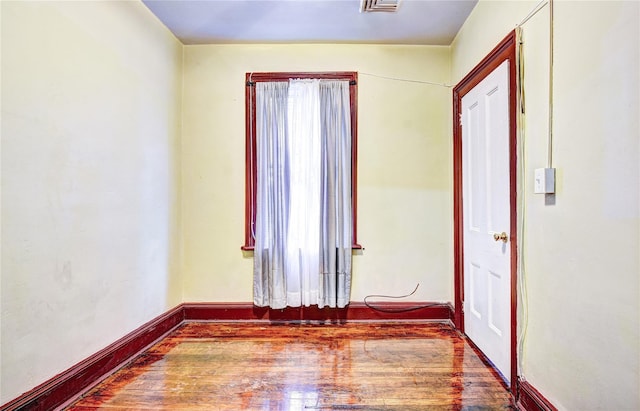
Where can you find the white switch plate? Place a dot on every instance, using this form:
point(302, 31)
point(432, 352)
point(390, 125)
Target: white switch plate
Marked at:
point(544, 181)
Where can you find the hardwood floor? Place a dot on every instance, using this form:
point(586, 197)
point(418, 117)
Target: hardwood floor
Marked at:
point(262, 366)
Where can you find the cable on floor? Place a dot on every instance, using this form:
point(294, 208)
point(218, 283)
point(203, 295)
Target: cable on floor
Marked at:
point(397, 310)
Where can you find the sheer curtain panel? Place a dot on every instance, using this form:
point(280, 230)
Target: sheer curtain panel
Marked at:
point(272, 195)
point(302, 253)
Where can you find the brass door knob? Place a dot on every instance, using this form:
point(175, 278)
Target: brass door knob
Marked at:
point(500, 237)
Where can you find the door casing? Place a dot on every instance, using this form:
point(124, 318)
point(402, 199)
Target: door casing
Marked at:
point(505, 50)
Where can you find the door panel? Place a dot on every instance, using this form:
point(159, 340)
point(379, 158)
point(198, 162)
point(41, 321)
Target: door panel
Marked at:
point(486, 211)
point(476, 296)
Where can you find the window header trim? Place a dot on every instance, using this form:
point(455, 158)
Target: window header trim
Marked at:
point(253, 78)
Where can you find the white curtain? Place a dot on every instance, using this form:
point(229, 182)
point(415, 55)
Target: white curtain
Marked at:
point(272, 194)
point(302, 253)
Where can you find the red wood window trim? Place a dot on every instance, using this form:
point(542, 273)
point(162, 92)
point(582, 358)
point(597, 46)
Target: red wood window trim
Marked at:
point(250, 143)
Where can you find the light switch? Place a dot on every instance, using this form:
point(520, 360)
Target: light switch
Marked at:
point(545, 181)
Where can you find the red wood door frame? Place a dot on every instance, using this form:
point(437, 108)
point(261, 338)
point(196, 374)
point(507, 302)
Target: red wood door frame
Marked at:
point(506, 50)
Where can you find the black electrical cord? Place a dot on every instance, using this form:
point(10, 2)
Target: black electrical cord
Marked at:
point(398, 310)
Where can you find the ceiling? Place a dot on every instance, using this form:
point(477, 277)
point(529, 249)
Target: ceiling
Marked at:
point(429, 22)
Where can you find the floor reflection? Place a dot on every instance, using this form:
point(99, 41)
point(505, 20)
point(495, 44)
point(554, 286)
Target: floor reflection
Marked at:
point(216, 366)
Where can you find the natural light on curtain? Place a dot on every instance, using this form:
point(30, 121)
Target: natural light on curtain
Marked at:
point(302, 253)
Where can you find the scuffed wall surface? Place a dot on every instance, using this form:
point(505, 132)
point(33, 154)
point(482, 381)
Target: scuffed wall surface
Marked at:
point(91, 95)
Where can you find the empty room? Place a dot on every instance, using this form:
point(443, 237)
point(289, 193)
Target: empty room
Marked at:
point(320, 204)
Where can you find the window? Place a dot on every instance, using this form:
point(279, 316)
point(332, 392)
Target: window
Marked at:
point(251, 156)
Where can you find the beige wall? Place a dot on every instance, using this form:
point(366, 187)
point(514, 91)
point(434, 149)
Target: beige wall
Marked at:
point(581, 254)
point(90, 170)
point(97, 181)
point(404, 199)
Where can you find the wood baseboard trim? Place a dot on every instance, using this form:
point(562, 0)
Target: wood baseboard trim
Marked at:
point(355, 311)
point(66, 385)
point(530, 399)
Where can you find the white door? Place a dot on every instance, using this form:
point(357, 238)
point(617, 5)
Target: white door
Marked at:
point(486, 215)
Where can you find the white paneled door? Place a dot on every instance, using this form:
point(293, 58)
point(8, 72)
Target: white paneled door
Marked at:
point(486, 216)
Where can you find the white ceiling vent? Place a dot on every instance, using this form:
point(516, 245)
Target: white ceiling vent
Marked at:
point(390, 6)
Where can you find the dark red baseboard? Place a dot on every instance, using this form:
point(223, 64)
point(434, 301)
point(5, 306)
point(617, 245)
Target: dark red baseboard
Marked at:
point(355, 311)
point(64, 386)
point(68, 384)
point(530, 399)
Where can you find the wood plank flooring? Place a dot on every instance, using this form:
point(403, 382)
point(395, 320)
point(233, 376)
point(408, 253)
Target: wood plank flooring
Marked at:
point(262, 366)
